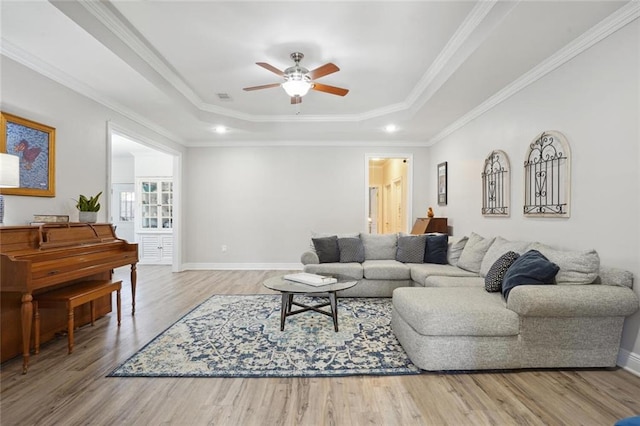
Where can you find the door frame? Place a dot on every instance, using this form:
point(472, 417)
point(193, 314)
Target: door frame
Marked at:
point(113, 128)
point(408, 187)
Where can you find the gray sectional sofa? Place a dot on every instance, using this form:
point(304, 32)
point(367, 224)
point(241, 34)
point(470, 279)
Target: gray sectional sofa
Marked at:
point(445, 318)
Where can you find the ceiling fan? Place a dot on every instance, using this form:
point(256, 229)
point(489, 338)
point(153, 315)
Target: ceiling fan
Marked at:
point(298, 80)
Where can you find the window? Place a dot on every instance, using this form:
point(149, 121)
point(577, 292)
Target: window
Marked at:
point(127, 206)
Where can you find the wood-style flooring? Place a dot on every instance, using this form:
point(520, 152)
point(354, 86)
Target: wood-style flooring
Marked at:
point(63, 389)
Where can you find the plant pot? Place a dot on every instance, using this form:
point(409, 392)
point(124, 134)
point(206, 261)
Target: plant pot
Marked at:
point(88, 217)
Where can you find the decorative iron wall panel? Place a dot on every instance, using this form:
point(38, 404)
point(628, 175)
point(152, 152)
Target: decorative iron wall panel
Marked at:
point(496, 186)
point(547, 176)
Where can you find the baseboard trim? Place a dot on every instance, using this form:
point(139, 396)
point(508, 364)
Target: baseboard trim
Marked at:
point(629, 361)
point(242, 266)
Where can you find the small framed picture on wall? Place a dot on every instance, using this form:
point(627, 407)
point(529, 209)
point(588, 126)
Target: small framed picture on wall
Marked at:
point(442, 184)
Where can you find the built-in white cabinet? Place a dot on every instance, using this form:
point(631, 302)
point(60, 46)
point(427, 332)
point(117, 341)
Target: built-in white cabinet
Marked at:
point(154, 220)
point(155, 205)
point(155, 249)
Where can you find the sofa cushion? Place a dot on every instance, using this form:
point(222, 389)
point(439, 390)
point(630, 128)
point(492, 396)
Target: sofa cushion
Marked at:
point(379, 246)
point(351, 250)
point(499, 247)
point(420, 272)
point(411, 248)
point(327, 249)
point(473, 252)
point(456, 245)
point(530, 268)
point(436, 249)
point(349, 269)
point(576, 267)
point(442, 281)
point(455, 311)
point(385, 270)
point(495, 276)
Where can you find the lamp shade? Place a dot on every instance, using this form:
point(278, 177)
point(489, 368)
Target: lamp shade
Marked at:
point(296, 87)
point(9, 171)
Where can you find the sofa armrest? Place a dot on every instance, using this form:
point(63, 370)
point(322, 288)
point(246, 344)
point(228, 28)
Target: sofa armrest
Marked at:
point(309, 258)
point(572, 301)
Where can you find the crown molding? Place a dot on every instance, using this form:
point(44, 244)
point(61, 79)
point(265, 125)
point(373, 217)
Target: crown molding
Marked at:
point(21, 56)
point(606, 27)
point(334, 143)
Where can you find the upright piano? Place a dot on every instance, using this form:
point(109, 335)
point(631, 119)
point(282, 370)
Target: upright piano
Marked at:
point(36, 259)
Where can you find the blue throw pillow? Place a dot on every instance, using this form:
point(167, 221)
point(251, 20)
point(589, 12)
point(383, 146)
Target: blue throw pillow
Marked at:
point(327, 249)
point(436, 249)
point(530, 268)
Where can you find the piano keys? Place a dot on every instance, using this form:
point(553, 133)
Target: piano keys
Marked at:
point(35, 259)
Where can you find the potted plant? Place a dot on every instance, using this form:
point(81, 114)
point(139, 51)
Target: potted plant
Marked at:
point(89, 207)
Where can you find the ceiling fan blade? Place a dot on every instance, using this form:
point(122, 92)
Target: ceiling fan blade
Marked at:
point(264, 86)
point(330, 89)
point(325, 69)
point(296, 100)
point(270, 68)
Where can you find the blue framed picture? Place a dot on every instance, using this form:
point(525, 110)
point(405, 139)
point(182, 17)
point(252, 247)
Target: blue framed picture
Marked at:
point(34, 143)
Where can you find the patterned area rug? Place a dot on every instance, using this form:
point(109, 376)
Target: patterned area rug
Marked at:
point(239, 336)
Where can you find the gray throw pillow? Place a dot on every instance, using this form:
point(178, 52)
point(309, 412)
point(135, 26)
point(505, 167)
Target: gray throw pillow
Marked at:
point(411, 248)
point(455, 250)
point(473, 253)
point(493, 280)
point(327, 249)
point(351, 250)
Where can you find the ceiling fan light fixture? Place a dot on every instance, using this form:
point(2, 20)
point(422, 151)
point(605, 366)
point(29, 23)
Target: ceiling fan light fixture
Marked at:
point(296, 87)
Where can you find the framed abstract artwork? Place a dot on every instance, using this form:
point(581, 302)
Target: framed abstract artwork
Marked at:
point(442, 184)
point(34, 144)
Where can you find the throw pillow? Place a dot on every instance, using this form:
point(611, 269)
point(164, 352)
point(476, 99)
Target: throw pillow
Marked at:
point(531, 268)
point(327, 249)
point(455, 250)
point(495, 276)
point(351, 250)
point(499, 247)
point(473, 252)
point(436, 249)
point(411, 248)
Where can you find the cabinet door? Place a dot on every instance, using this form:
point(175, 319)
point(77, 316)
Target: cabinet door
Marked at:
point(166, 255)
point(149, 248)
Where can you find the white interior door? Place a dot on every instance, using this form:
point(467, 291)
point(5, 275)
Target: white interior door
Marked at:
point(122, 210)
point(373, 210)
point(388, 210)
point(397, 206)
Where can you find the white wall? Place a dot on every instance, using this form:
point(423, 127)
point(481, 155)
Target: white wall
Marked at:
point(81, 140)
point(122, 170)
point(594, 101)
point(264, 202)
point(154, 164)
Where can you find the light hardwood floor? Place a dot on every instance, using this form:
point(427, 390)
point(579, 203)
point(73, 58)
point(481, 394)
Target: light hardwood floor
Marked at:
point(63, 389)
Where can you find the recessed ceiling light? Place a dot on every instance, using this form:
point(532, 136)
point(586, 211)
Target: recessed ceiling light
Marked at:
point(221, 129)
point(390, 128)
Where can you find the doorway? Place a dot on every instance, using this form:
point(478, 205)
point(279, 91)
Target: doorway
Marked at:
point(388, 194)
point(130, 157)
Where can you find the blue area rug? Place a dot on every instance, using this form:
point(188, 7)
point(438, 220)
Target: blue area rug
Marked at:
point(239, 336)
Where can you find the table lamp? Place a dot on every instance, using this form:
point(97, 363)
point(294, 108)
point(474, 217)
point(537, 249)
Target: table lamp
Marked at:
point(9, 177)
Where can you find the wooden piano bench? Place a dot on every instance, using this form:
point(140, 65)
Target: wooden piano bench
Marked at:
point(73, 296)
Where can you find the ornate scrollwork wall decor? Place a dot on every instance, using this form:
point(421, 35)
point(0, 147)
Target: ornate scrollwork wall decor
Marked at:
point(496, 184)
point(547, 176)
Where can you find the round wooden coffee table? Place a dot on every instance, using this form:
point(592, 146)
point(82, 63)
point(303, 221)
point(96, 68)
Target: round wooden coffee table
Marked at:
point(291, 288)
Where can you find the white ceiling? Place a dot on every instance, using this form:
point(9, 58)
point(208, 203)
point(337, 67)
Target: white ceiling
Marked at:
point(426, 66)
